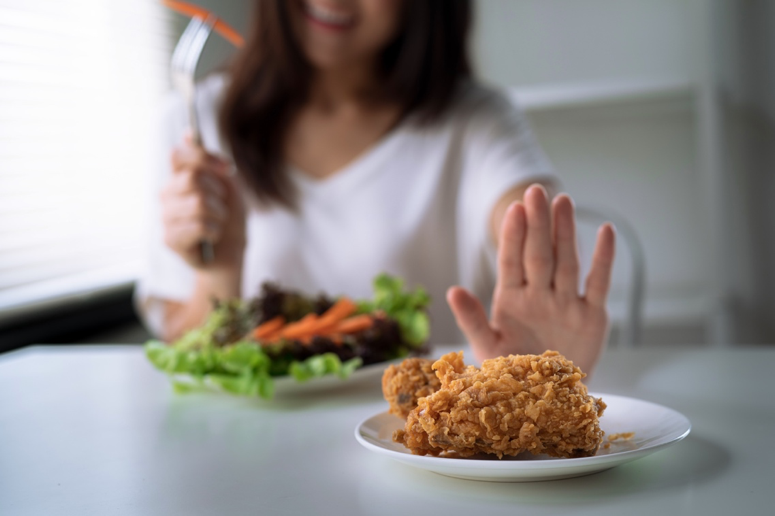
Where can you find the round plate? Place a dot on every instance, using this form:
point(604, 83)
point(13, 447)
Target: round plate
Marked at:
point(654, 427)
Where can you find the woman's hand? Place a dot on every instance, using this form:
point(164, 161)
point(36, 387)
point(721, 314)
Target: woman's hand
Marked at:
point(536, 304)
point(201, 203)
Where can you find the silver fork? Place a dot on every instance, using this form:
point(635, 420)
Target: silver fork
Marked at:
point(185, 58)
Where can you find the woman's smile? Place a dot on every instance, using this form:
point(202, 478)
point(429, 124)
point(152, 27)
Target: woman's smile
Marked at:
point(328, 18)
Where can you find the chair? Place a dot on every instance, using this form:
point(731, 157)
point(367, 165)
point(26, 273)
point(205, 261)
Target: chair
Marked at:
point(626, 234)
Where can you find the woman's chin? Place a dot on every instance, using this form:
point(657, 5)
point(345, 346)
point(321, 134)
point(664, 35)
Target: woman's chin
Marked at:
point(330, 61)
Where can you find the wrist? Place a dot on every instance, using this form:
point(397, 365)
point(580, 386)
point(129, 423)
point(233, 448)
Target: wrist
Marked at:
point(221, 281)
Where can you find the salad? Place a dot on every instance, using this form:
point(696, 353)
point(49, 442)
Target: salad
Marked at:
point(244, 344)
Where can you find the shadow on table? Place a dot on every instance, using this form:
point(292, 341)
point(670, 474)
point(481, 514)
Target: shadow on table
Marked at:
point(332, 396)
point(694, 461)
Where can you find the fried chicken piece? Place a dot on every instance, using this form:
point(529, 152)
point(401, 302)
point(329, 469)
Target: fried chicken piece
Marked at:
point(404, 384)
point(513, 404)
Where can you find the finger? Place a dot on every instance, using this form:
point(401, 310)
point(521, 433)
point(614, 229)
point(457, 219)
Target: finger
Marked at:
point(539, 255)
point(193, 207)
point(511, 272)
point(471, 318)
point(198, 182)
point(184, 237)
point(190, 157)
point(599, 278)
point(566, 268)
point(203, 207)
point(213, 185)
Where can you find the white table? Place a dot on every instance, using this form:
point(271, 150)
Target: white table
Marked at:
point(96, 430)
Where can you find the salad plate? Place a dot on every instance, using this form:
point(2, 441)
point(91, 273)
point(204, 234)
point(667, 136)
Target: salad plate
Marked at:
point(286, 342)
point(652, 428)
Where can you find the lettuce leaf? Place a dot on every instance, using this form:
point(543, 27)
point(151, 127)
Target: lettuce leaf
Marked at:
point(409, 309)
point(241, 368)
point(322, 365)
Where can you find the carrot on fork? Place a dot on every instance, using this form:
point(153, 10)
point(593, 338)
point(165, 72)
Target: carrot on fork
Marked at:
point(220, 26)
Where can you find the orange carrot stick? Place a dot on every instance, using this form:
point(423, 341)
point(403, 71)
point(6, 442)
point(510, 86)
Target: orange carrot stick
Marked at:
point(269, 327)
point(354, 324)
point(220, 26)
point(342, 309)
point(302, 327)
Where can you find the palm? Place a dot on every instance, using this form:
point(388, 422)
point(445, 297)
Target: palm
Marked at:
point(533, 323)
point(536, 305)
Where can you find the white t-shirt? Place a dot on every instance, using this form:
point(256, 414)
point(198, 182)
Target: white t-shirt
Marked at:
point(417, 205)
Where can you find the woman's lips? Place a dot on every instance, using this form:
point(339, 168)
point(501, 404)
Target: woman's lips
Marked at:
point(328, 18)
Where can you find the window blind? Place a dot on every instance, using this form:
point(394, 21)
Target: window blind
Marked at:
point(81, 83)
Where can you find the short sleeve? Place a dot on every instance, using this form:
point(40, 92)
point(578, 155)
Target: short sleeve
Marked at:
point(499, 152)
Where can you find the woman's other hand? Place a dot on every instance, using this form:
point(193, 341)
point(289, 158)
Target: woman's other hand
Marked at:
point(536, 304)
point(202, 204)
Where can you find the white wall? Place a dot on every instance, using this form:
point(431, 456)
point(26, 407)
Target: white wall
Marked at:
point(521, 42)
point(702, 202)
point(746, 69)
point(636, 158)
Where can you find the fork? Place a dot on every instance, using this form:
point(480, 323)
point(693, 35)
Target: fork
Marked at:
point(185, 58)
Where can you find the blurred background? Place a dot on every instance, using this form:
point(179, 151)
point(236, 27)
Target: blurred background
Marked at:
point(658, 114)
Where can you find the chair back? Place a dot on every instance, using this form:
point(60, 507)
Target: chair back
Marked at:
point(626, 237)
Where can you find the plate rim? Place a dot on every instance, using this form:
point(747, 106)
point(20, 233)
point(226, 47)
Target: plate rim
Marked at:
point(287, 384)
point(516, 466)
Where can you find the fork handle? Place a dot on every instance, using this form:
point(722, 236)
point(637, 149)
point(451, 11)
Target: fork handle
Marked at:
point(206, 251)
point(206, 247)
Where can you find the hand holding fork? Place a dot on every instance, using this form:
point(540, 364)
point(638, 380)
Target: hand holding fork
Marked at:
point(201, 208)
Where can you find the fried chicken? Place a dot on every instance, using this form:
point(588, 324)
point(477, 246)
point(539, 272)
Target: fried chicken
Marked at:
point(404, 384)
point(514, 404)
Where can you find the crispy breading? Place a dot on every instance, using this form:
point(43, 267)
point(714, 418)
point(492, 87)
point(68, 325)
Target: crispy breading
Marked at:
point(514, 404)
point(404, 384)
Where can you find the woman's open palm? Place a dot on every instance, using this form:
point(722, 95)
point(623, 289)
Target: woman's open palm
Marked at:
point(536, 304)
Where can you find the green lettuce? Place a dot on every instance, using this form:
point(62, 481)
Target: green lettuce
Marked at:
point(241, 368)
point(322, 365)
point(407, 308)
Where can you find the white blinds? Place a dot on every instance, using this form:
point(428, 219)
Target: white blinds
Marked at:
point(80, 85)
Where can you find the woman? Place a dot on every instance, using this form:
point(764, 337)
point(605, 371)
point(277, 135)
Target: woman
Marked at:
point(363, 145)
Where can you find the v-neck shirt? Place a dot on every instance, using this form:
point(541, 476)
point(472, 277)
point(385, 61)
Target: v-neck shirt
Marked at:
point(417, 204)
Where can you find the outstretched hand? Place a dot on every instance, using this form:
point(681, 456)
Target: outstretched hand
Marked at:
point(536, 304)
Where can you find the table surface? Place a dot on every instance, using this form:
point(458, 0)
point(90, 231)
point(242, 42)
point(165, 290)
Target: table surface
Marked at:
point(96, 430)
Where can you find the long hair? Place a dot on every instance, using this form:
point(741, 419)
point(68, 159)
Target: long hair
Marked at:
point(270, 77)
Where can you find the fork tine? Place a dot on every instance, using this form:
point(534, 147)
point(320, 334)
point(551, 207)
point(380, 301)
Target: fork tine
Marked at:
point(197, 44)
point(184, 44)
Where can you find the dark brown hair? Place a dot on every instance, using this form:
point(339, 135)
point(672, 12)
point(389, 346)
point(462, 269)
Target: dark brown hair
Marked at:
point(421, 71)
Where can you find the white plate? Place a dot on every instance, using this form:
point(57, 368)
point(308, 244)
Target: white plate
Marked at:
point(655, 427)
point(287, 385)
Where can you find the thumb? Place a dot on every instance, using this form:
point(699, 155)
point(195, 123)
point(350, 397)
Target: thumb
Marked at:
point(472, 321)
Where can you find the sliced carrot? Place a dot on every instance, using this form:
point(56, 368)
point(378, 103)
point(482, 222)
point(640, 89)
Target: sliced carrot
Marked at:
point(354, 324)
point(342, 309)
point(220, 26)
point(271, 338)
point(334, 323)
point(302, 327)
point(269, 327)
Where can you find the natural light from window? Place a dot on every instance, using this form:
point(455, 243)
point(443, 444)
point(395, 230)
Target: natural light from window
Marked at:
point(81, 82)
